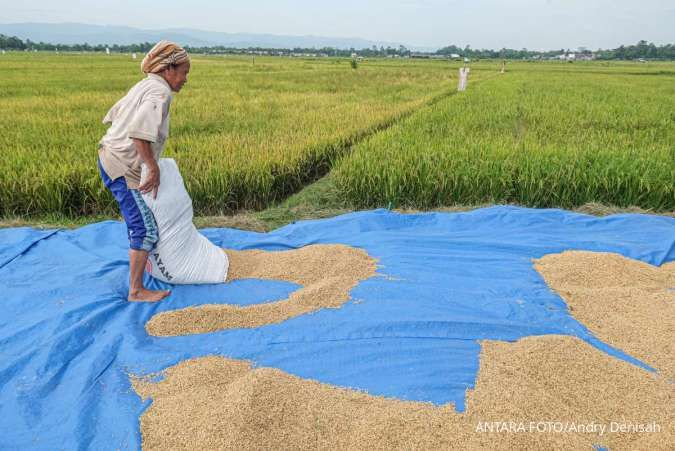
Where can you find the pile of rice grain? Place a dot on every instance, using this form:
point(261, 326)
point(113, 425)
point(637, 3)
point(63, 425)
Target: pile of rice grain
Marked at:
point(218, 403)
point(326, 272)
point(626, 303)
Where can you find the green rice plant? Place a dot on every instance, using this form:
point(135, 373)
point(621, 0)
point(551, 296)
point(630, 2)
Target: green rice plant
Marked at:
point(244, 136)
point(540, 136)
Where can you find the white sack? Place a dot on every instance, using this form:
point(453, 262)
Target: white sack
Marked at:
point(183, 255)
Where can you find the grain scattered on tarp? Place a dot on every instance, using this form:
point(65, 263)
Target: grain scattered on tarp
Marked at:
point(327, 273)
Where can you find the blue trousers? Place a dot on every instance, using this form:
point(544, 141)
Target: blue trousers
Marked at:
point(141, 225)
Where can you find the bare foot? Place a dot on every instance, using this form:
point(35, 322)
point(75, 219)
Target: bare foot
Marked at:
point(144, 295)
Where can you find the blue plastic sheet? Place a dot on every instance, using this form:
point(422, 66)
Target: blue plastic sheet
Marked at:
point(69, 338)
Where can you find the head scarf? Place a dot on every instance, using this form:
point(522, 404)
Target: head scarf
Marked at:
point(163, 55)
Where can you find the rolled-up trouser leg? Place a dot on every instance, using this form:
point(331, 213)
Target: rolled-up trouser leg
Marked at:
point(141, 225)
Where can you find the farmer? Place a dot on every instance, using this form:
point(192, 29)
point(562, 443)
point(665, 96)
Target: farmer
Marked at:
point(140, 126)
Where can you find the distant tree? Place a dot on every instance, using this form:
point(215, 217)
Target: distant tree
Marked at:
point(11, 43)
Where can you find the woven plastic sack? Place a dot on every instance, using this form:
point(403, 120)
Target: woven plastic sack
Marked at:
point(183, 255)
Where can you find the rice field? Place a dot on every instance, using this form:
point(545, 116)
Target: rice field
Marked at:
point(248, 133)
point(541, 135)
point(245, 133)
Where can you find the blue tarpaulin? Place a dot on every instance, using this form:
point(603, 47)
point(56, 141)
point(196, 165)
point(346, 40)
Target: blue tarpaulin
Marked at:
point(69, 339)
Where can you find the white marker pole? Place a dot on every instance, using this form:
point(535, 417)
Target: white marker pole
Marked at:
point(463, 78)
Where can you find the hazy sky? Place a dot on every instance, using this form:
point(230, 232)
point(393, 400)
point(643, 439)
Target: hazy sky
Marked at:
point(535, 24)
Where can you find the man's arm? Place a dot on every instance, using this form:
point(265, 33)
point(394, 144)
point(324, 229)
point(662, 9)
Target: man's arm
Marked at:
point(152, 180)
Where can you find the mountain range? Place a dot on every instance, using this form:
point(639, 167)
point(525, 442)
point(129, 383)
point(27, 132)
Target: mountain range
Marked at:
point(77, 33)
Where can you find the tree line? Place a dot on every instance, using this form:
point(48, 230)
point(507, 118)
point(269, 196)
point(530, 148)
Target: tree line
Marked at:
point(14, 43)
point(642, 49)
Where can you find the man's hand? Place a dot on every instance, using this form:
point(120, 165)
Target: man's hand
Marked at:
point(151, 181)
